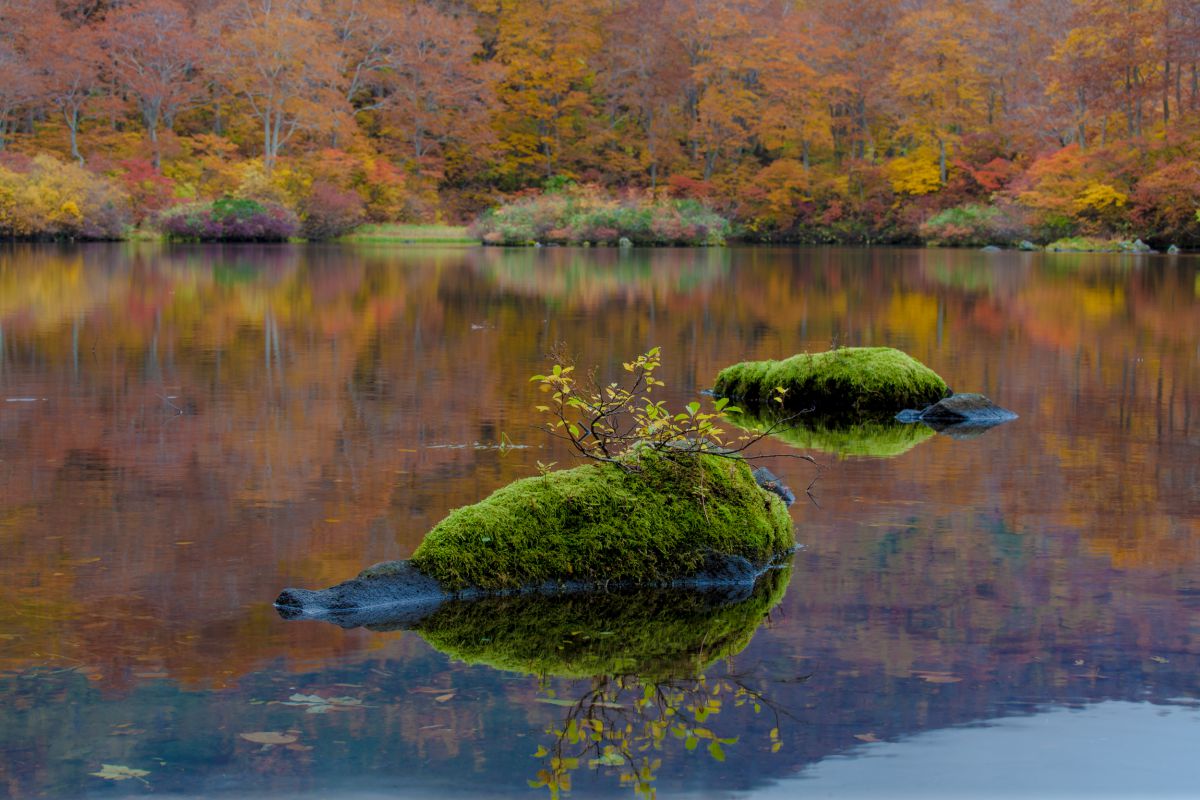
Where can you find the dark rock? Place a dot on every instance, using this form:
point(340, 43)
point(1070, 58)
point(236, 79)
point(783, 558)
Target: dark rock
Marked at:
point(960, 415)
point(769, 481)
point(398, 595)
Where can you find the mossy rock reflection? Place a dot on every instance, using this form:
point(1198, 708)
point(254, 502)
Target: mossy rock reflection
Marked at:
point(849, 381)
point(655, 634)
point(658, 521)
point(876, 438)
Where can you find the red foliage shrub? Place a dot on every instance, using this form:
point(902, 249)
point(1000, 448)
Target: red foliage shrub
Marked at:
point(329, 212)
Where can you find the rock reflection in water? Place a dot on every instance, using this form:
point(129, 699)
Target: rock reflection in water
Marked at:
point(641, 656)
point(877, 438)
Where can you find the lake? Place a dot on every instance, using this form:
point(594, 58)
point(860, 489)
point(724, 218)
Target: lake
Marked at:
point(186, 430)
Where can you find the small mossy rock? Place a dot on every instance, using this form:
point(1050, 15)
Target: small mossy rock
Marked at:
point(991, 248)
point(849, 381)
point(658, 521)
point(1174, 250)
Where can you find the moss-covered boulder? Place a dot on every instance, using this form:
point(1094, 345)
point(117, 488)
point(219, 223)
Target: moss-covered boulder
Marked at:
point(874, 438)
point(662, 519)
point(655, 634)
point(849, 381)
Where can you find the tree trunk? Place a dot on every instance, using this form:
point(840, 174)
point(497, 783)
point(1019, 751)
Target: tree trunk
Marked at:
point(1166, 93)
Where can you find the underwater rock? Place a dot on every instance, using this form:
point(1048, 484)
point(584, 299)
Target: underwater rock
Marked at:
point(397, 594)
point(847, 382)
point(960, 415)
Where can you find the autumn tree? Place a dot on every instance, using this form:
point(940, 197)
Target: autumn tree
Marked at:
point(280, 58)
point(939, 82)
point(154, 55)
point(545, 49)
point(645, 76)
point(72, 61)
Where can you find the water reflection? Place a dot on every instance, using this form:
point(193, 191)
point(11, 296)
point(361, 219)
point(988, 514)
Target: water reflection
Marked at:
point(877, 438)
point(183, 430)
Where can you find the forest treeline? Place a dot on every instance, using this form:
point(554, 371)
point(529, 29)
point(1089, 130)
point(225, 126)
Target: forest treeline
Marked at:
point(818, 120)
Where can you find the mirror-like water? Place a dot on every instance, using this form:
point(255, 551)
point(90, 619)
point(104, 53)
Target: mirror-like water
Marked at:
point(184, 431)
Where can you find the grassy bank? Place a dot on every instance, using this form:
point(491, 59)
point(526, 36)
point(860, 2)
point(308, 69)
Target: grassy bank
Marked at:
point(412, 234)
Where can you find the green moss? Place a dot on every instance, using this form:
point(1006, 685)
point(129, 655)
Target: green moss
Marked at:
point(877, 438)
point(838, 383)
point(602, 523)
point(653, 634)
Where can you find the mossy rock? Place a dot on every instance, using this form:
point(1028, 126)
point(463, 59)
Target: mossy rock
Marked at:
point(847, 382)
point(655, 634)
point(660, 520)
point(875, 438)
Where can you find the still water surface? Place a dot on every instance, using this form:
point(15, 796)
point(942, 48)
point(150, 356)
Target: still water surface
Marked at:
point(185, 431)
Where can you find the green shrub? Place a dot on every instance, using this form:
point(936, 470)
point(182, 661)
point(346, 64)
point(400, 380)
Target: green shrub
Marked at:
point(972, 225)
point(585, 214)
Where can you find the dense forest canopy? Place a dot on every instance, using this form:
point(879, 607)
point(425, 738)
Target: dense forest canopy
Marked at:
point(836, 119)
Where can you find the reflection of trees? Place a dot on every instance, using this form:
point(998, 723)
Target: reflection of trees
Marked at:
point(581, 278)
point(303, 478)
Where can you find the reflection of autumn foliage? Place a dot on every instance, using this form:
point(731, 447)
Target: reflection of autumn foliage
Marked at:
point(215, 423)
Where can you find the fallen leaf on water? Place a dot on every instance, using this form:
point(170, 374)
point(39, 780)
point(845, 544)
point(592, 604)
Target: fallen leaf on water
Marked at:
point(609, 759)
point(1160, 660)
point(937, 677)
point(554, 701)
point(315, 704)
point(867, 737)
point(427, 690)
point(299, 748)
point(119, 772)
point(183, 544)
point(442, 698)
point(268, 737)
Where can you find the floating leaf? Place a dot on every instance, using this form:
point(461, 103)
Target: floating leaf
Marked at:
point(119, 772)
point(610, 759)
point(554, 701)
point(867, 737)
point(319, 705)
point(444, 698)
point(268, 737)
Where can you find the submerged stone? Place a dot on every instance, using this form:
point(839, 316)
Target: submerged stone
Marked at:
point(847, 382)
point(960, 415)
